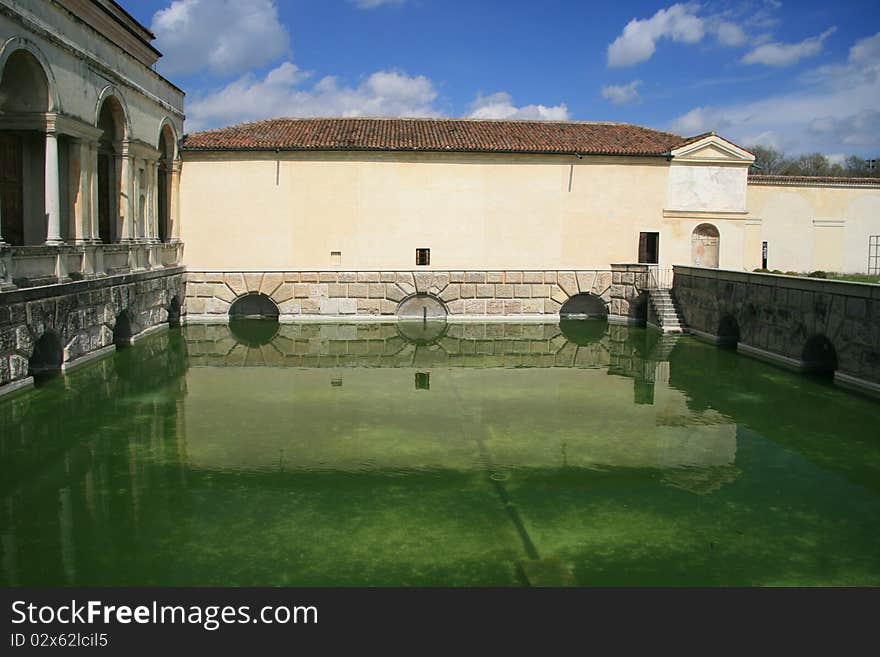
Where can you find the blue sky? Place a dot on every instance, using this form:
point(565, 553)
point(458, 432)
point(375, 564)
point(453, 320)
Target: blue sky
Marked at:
point(800, 76)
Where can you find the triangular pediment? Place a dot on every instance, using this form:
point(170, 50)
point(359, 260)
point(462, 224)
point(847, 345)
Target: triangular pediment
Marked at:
point(712, 149)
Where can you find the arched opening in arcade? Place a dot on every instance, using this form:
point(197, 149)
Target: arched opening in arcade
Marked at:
point(111, 122)
point(705, 246)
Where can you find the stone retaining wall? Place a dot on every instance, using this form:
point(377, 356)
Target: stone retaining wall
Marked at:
point(378, 293)
point(83, 315)
point(776, 316)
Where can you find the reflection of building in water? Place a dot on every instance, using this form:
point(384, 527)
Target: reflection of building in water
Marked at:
point(79, 457)
point(535, 399)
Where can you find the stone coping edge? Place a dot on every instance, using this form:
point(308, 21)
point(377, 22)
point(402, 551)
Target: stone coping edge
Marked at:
point(849, 288)
point(17, 387)
point(859, 385)
point(87, 358)
point(388, 319)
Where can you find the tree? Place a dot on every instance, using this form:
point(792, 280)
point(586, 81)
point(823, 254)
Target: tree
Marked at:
point(768, 160)
point(813, 164)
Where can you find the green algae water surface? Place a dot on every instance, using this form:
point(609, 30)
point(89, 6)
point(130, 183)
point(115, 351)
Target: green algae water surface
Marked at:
point(427, 454)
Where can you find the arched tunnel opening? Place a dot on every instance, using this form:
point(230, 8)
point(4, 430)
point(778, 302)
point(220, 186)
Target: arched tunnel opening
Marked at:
point(253, 320)
point(819, 356)
point(47, 358)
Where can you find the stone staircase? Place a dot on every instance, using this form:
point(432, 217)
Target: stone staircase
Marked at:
point(669, 319)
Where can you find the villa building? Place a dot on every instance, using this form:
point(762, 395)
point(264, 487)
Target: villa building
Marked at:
point(316, 219)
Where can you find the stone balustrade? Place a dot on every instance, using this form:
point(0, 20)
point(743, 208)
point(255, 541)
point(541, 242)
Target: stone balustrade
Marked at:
point(32, 266)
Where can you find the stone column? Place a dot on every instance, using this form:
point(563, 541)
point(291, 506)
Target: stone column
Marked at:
point(174, 205)
point(125, 196)
point(94, 230)
point(154, 201)
point(78, 191)
point(53, 192)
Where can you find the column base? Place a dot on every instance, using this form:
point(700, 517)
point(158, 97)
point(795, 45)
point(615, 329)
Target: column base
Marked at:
point(54, 243)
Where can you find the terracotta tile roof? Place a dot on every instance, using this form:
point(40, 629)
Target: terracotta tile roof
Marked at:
point(817, 181)
point(450, 135)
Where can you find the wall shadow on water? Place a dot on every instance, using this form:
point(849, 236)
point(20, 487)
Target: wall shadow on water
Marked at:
point(799, 412)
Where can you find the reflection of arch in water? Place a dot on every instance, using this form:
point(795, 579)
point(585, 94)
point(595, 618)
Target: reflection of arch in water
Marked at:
point(819, 356)
point(421, 332)
point(48, 355)
point(583, 332)
point(253, 305)
point(584, 305)
point(253, 331)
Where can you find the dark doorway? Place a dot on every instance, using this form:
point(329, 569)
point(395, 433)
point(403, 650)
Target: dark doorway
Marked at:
point(584, 305)
point(122, 332)
point(48, 355)
point(253, 305)
point(11, 176)
point(649, 248)
point(174, 312)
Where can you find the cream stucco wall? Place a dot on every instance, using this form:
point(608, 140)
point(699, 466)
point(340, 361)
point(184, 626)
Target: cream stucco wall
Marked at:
point(814, 227)
point(473, 211)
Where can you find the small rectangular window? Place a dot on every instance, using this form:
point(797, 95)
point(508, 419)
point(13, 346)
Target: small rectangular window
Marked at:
point(423, 257)
point(336, 257)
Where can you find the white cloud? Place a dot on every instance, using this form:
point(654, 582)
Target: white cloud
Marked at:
point(225, 37)
point(833, 111)
point(500, 106)
point(787, 54)
point(729, 34)
point(638, 41)
point(372, 4)
point(620, 94)
point(279, 94)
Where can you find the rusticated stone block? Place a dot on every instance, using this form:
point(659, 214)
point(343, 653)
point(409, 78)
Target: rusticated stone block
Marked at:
point(301, 290)
point(387, 307)
point(308, 277)
point(423, 280)
point(376, 290)
point(485, 290)
point(348, 306)
point(513, 307)
point(455, 307)
point(558, 294)
point(270, 283)
point(513, 277)
point(495, 277)
point(475, 306)
point(551, 307)
point(533, 306)
point(503, 291)
point(222, 291)
point(534, 277)
point(451, 292)
point(358, 290)
point(328, 277)
point(290, 307)
point(368, 277)
point(347, 277)
point(585, 280)
point(284, 292)
point(193, 307)
point(495, 307)
point(393, 292)
point(336, 290)
point(369, 306)
point(319, 290)
point(475, 277)
point(540, 291)
point(468, 290)
point(328, 306)
point(568, 282)
point(456, 277)
point(310, 306)
point(386, 277)
point(216, 307)
point(291, 277)
point(252, 282)
point(522, 291)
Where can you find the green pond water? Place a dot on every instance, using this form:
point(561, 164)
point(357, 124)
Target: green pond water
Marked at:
point(423, 454)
